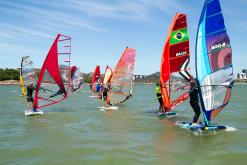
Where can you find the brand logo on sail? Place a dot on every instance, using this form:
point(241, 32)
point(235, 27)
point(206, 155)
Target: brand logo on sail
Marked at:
point(181, 53)
point(218, 46)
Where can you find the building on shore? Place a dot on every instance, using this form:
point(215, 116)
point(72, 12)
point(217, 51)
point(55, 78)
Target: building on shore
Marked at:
point(242, 75)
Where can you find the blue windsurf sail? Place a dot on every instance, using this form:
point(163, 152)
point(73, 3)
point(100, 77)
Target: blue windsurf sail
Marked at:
point(214, 69)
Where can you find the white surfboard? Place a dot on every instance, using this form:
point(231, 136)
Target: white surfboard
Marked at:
point(200, 129)
point(93, 96)
point(112, 107)
point(109, 108)
point(31, 113)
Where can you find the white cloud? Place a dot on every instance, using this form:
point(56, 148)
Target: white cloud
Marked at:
point(123, 9)
point(38, 22)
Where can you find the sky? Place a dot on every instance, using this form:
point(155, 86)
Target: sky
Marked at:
point(102, 29)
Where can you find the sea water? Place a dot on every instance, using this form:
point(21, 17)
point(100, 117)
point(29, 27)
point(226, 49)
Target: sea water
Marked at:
point(75, 131)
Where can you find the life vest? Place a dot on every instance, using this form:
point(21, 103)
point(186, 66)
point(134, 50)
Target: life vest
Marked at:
point(158, 92)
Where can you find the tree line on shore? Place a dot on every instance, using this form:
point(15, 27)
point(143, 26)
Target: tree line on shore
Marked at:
point(9, 74)
point(13, 74)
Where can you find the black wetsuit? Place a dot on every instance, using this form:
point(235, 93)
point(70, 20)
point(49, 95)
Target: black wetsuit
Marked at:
point(105, 90)
point(194, 103)
point(29, 95)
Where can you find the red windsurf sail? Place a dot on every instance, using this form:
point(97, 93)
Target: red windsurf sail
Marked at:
point(174, 77)
point(54, 78)
point(121, 80)
point(95, 77)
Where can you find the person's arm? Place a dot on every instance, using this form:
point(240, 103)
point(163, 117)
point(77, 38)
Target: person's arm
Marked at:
point(192, 89)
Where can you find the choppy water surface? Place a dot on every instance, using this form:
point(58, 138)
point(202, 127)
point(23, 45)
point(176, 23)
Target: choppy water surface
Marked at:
point(76, 132)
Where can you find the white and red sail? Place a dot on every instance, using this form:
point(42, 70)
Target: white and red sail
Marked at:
point(54, 78)
point(121, 80)
point(107, 75)
point(175, 59)
point(95, 77)
point(76, 78)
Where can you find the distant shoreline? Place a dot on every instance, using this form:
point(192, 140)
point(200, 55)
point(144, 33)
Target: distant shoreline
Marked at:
point(9, 82)
point(240, 81)
point(16, 82)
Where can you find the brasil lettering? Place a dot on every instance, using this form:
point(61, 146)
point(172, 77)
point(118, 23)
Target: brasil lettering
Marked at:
point(181, 53)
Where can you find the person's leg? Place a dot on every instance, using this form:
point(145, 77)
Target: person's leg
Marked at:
point(197, 111)
point(160, 102)
point(28, 104)
point(34, 107)
point(160, 107)
point(105, 101)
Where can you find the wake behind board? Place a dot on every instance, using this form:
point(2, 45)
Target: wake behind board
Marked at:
point(31, 113)
point(201, 129)
point(166, 114)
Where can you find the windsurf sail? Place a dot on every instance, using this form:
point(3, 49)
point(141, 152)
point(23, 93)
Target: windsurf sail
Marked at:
point(107, 75)
point(27, 74)
point(95, 77)
point(174, 76)
point(214, 68)
point(76, 78)
point(54, 78)
point(121, 81)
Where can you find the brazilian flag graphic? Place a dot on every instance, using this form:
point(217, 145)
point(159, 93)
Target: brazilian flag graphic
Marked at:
point(179, 36)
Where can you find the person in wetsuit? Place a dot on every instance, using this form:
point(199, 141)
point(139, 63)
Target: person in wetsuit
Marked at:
point(29, 95)
point(105, 94)
point(99, 87)
point(159, 96)
point(194, 100)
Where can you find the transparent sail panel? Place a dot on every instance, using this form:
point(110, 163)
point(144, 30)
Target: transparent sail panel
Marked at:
point(49, 92)
point(77, 80)
point(214, 88)
point(28, 72)
point(121, 82)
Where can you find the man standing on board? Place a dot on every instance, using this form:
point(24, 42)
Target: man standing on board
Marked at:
point(106, 89)
point(159, 96)
point(99, 87)
point(194, 100)
point(30, 89)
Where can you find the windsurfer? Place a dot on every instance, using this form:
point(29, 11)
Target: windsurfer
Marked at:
point(105, 94)
point(193, 92)
point(159, 96)
point(30, 89)
point(98, 87)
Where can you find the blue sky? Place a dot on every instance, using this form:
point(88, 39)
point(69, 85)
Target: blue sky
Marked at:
point(101, 29)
